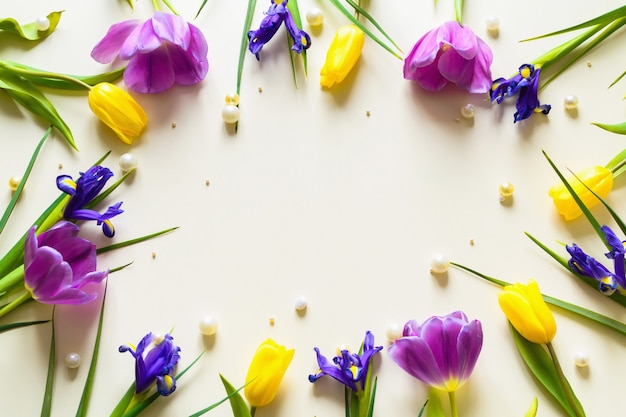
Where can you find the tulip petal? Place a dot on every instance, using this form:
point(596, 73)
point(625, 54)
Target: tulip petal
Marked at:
point(170, 28)
point(417, 359)
point(109, 47)
point(150, 73)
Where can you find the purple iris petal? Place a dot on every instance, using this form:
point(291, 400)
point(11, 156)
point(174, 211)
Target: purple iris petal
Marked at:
point(58, 264)
point(349, 368)
point(524, 84)
point(155, 364)
point(441, 352)
point(301, 39)
point(453, 54)
point(162, 51)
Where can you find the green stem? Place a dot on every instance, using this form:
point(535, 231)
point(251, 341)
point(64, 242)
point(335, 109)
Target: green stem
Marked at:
point(571, 398)
point(452, 397)
point(458, 11)
point(15, 303)
point(156, 5)
point(618, 166)
point(252, 411)
point(356, 12)
point(553, 55)
point(12, 279)
point(46, 74)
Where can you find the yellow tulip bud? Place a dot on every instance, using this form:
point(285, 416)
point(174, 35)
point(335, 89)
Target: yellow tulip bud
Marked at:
point(266, 371)
point(525, 308)
point(598, 178)
point(118, 110)
point(342, 55)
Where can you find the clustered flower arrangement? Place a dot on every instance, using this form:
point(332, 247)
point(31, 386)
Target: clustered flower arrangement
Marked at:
point(52, 265)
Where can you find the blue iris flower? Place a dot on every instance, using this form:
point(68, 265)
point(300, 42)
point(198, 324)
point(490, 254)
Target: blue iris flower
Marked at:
point(155, 365)
point(524, 84)
point(583, 264)
point(349, 368)
point(274, 17)
point(82, 192)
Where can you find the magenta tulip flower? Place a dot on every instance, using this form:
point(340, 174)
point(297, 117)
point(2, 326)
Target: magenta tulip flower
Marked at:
point(162, 51)
point(453, 54)
point(441, 352)
point(58, 264)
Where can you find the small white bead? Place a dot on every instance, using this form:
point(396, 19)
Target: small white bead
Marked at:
point(72, 360)
point(208, 326)
point(581, 359)
point(439, 263)
point(300, 303)
point(394, 331)
point(468, 111)
point(315, 17)
point(127, 162)
point(232, 98)
point(42, 24)
point(14, 182)
point(570, 102)
point(493, 24)
point(230, 114)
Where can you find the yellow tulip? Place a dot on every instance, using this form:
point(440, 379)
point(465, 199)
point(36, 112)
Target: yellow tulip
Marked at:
point(342, 55)
point(118, 110)
point(266, 371)
point(598, 178)
point(525, 308)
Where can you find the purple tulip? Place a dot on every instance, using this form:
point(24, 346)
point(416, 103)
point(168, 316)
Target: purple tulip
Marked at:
point(57, 265)
point(162, 51)
point(441, 352)
point(156, 364)
point(450, 53)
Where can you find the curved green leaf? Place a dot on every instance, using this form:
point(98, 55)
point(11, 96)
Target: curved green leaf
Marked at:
point(46, 407)
point(51, 80)
point(371, 19)
point(532, 410)
point(26, 94)
point(29, 30)
point(237, 403)
point(11, 326)
point(619, 128)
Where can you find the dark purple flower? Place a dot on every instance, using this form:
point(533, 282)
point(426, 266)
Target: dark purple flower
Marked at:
point(58, 264)
point(588, 266)
point(162, 51)
point(453, 54)
point(349, 368)
point(85, 189)
point(156, 364)
point(524, 84)
point(441, 352)
point(277, 13)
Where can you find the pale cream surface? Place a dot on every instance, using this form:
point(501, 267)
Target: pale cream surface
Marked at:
point(311, 197)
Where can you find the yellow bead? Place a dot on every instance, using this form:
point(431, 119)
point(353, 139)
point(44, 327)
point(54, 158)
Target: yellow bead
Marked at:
point(14, 182)
point(232, 98)
point(506, 189)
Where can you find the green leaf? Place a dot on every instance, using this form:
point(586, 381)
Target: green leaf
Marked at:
point(369, 17)
point(26, 94)
point(425, 402)
point(617, 80)
point(295, 13)
point(243, 46)
point(47, 397)
point(237, 403)
point(20, 187)
point(458, 11)
point(29, 31)
point(555, 54)
point(619, 128)
point(434, 407)
point(133, 241)
point(83, 406)
point(200, 9)
point(532, 410)
point(347, 14)
point(169, 5)
point(540, 364)
point(370, 410)
point(11, 326)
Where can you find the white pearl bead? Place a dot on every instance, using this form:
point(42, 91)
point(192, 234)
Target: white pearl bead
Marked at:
point(232, 98)
point(394, 331)
point(493, 24)
point(570, 102)
point(208, 326)
point(315, 17)
point(72, 360)
point(300, 303)
point(14, 182)
point(127, 162)
point(42, 24)
point(468, 111)
point(230, 114)
point(581, 359)
point(439, 263)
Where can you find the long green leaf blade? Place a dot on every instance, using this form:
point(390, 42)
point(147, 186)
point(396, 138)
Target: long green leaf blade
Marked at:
point(29, 31)
point(46, 407)
point(133, 241)
point(47, 79)
point(371, 19)
point(237, 403)
point(243, 46)
point(11, 326)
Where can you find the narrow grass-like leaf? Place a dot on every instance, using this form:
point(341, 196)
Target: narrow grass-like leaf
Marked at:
point(532, 410)
point(370, 410)
point(29, 31)
point(295, 13)
point(83, 406)
point(170, 6)
point(371, 19)
point(133, 241)
point(619, 128)
point(237, 403)
point(52, 80)
point(572, 308)
point(212, 406)
point(346, 400)
point(200, 9)
point(540, 364)
point(243, 45)
point(46, 407)
point(121, 406)
point(425, 403)
point(617, 80)
point(20, 187)
point(369, 33)
point(11, 326)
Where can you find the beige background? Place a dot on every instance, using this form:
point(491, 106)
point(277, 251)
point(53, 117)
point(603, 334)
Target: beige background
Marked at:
point(313, 198)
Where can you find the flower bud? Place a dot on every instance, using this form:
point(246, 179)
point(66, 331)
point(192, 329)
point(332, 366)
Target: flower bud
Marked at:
point(269, 364)
point(598, 178)
point(342, 55)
